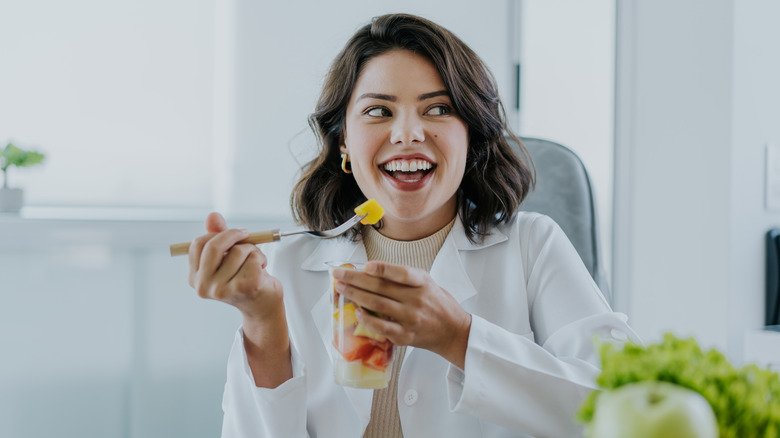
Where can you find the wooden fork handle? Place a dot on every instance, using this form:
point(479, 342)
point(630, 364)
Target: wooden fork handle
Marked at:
point(183, 248)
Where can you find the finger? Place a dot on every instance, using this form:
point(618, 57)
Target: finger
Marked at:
point(251, 280)
point(396, 273)
point(392, 330)
point(380, 286)
point(236, 257)
point(215, 249)
point(215, 223)
point(369, 300)
point(361, 280)
point(196, 249)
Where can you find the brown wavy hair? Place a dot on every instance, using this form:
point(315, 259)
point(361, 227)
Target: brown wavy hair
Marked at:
point(496, 179)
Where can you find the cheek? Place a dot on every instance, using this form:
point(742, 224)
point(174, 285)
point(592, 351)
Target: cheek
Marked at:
point(458, 155)
point(362, 142)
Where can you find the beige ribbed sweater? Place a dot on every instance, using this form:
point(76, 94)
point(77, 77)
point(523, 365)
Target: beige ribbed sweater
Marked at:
point(385, 422)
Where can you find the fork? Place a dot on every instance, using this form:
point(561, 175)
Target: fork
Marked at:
point(258, 237)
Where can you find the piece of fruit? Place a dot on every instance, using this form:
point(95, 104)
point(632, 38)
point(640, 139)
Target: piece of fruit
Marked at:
point(361, 330)
point(348, 313)
point(378, 359)
point(385, 345)
point(653, 409)
point(372, 210)
point(353, 347)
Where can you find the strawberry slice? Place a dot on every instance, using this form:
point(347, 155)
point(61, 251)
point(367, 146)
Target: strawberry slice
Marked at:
point(353, 347)
point(378, 359)
point(384, 345)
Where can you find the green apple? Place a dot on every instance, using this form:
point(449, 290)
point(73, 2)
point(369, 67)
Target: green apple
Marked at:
point(653, 410)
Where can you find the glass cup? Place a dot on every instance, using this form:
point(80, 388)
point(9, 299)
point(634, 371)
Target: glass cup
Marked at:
point(362, 359)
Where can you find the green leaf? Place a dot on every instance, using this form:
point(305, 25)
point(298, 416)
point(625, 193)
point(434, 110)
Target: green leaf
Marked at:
point(30, 158)
point(15, 156)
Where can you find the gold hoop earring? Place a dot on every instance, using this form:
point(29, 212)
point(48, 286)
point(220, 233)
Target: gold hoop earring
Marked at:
point(344, 160)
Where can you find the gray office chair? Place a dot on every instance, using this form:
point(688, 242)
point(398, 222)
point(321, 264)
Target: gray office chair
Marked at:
point(563, 191)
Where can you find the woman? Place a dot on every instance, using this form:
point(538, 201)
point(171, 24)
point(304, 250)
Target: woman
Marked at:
point(494, 311)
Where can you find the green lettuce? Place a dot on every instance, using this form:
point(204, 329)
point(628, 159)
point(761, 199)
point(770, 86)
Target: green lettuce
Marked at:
point(746, 400)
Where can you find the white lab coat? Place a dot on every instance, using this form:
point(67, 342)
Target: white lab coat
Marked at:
point(530, 359)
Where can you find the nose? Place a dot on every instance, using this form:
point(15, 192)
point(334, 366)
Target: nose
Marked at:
point(407, 129)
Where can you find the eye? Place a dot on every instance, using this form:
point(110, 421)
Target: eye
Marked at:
point(377, 111)
point(439, 110)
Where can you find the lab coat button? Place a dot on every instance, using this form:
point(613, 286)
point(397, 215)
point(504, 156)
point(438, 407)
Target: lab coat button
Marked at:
point(619, 335)
point(410, 397)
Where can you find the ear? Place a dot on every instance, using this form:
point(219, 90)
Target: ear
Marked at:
point(343, 149)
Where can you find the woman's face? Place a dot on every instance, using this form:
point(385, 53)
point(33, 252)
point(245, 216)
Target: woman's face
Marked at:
point(406, 145)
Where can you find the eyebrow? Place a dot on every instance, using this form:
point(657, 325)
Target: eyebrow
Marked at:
point(433, 94)
point(393, 98)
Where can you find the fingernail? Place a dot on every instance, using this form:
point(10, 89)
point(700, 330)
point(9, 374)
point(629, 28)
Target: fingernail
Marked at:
point(339, 286)
point(338, 273)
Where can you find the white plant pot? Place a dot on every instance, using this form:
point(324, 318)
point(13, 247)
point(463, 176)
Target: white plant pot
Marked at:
point(11, 200)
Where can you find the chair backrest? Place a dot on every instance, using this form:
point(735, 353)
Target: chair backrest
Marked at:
point(563, 191)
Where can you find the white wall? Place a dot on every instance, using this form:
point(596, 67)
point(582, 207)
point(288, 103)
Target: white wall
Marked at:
point(568, 63)
point(119, 96)
point(696, 104)
point(755, 122)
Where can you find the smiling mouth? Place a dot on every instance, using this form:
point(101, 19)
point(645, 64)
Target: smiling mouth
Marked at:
point(408, 171)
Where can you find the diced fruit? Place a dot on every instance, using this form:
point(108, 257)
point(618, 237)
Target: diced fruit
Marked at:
point(353, 347)
point(372, 210)
point(361, 330)
point(350, 318)
point(378, 359)
point(384, 345)
point(375, 354)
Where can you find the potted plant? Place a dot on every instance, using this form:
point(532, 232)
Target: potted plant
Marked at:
point(12, 199)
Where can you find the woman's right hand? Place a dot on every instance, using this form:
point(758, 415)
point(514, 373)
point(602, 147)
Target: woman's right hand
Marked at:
point(223, 270)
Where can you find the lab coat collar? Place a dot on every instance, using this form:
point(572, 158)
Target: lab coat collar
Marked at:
point(447, 271)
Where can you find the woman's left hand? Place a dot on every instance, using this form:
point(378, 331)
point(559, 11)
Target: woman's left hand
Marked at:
point(415, 310)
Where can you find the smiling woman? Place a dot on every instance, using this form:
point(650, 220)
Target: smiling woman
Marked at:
point(497, 304)
point(430, 90)
point(387, 134)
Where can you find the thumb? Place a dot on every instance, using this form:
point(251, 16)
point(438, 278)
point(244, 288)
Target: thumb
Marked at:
point(215, 223)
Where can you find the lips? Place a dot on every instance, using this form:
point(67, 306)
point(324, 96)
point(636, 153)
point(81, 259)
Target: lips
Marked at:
point(408, 180)
point(408, 172)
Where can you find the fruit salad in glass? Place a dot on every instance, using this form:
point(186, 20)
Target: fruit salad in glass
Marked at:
point(362, 359)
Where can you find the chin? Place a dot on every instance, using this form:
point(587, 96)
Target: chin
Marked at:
point(406, 215)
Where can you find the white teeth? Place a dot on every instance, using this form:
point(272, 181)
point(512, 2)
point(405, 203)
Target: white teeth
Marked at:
point(407, 165)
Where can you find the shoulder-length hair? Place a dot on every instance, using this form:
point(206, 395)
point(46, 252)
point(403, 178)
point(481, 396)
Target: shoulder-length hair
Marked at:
point(496, 179)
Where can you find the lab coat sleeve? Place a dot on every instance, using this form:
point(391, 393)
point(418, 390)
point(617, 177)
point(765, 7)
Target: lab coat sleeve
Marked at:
point(250, 411)
point(535, 382)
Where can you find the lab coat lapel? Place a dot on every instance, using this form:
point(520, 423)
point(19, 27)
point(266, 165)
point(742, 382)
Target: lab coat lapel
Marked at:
point(449, 271)
point(337, 250)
